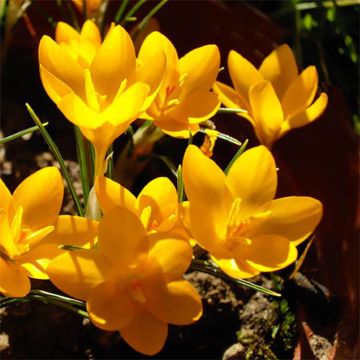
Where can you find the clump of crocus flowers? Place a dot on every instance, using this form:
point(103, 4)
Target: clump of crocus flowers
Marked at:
point(128, 266)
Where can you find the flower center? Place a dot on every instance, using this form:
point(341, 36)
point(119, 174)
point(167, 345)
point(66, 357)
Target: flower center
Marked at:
point(136, 291)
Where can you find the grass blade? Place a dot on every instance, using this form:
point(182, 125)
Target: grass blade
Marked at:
point(21, 133)
point(209, 268)
point(54, 149)
point(238, 153)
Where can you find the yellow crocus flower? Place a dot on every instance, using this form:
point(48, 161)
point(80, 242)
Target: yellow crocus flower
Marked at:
point(31, 230)
point(132, 282)
point(184, 99)
point(277, 98)
point(92, 6)
point(236, 218)
point(98, 87)
point(156, 206)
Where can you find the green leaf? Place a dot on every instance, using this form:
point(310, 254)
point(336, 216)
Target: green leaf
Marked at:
point(20, 134)
point(54, 149)
point(238, 153)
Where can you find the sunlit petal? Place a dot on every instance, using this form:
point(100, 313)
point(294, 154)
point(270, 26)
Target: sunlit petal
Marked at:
point(175, 303)
point(293, 217)
point(280, 69)
point(145, 333)
point(253, 179)
point(41, 196)
point(301, 92)
point(171, 253)
point(109, 306)
point(210, 200)
point(266, 111)
point(65, 33)
point(13, 279)
point(76, 273)
point(122, 237)
point(201, 67)
point(269, 253)
point(114, 62)
point(307, 116)
point(197, 107)
point(73, 230)
point(61, 65)
point(160, 194)
point(5, 196)
point(111, 194)
point(243, 74)
point(236, 269)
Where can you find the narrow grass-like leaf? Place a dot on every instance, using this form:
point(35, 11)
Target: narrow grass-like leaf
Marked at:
point(231, 111)
point(129, 15)
point(119, 14)
point(20, 134)
point(180, 184)
point(209, 268)
point(165, 160)
point(147, 17)
point(224, 137)
point(238, 153)
point(54, 149)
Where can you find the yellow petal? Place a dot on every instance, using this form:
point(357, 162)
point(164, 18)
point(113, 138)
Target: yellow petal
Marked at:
point(171, 253)
point(91, 33)
point(65, 33)
point(114, 62)
point(79, 113)
point(5, 196)
point(243, 74)
point(293, 217)
point(280, 69)
point(175, 303)
point(301, 92)
point(76, 273)
point(145, 333)
point(210, 200)
point(151, 66)
point(126, 107)
point(307, 116)
point(154, 43)
point(160, 194)
point(6, 237)
point(73, 230)
point(37, 260)
point(61, 65)
point(55, 88)
point(177, 129)
point(122, 237)
point(41, 196)
point(110, 307)
point(266, 111)
point(237, 269)
point(199, 68)
point(230, 98)
point(253, 179)
point(13, 280)
point(111, 194)
point(269, 253)
point(196, 108)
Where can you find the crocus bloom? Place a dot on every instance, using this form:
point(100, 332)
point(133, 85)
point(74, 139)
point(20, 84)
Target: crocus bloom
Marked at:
point(156, 205)
point(91, 6)
point(277, 98)
point(236, 218)
point(132, 282)
point(31, 230)
point(98, 87)
point(184, 99)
